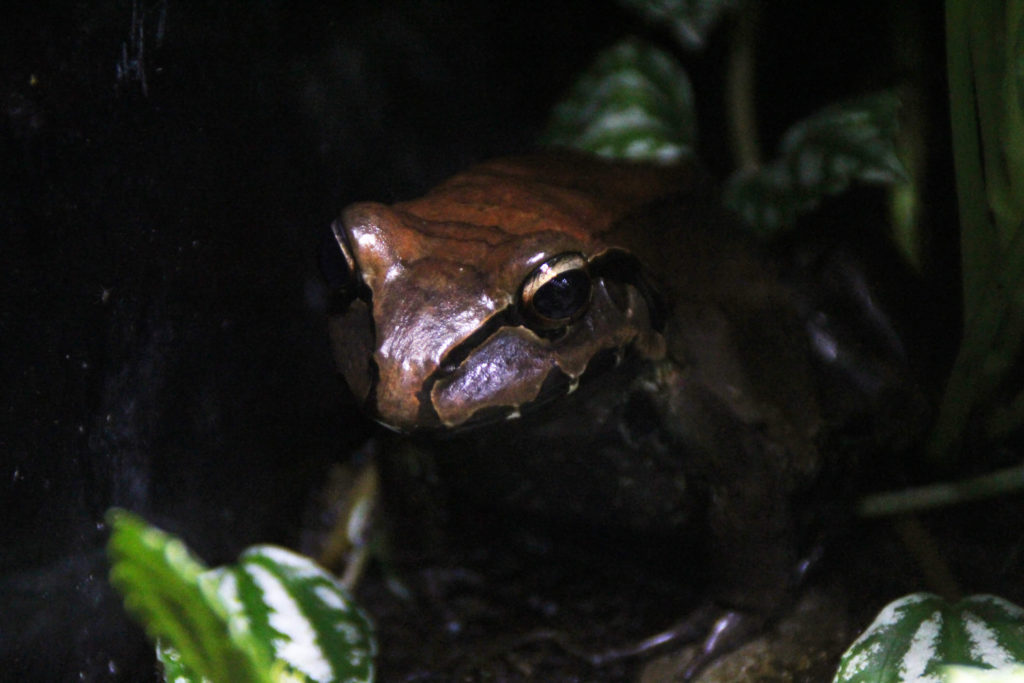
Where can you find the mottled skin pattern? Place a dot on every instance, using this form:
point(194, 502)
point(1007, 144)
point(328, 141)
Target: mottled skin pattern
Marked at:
point(689, 376)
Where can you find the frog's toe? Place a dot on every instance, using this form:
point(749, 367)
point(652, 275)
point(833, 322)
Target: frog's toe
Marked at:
point(717, 630)
point(730, 630)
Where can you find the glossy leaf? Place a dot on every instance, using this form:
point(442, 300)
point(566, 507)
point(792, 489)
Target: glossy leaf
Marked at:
point(690, 20)
point(302, 613)
point(273, 616)
point(298, 615)
point(916, 638)
point(634, 103)
point(164, 588)
point(820, 156)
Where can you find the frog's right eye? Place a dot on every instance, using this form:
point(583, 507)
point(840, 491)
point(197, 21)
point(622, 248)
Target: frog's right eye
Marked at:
point(338, 265)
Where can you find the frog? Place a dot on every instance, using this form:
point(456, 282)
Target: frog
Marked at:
point(607, 345)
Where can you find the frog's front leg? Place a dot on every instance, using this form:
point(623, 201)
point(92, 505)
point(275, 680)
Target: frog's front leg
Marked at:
point(753, 564)
point(753, 576)
point(750, 461)
point(341, 527)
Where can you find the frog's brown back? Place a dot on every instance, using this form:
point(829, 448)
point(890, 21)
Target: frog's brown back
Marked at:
point(558, 191)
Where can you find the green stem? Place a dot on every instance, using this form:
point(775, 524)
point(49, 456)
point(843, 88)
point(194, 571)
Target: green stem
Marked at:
point(740, 77)
point(938, 576)
point(1008, 480)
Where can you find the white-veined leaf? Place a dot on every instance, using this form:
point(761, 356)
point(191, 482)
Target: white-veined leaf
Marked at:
point(634, 103)
point(298, 615)
point(273, 616)
point(820, 156)
point(916, 638)
point(164, 588)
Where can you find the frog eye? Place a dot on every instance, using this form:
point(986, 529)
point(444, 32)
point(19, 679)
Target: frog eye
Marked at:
point(337, 265)
point(557, 292)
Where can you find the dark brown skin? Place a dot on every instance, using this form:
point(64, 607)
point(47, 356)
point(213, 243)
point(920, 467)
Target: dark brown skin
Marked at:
point(686, 374)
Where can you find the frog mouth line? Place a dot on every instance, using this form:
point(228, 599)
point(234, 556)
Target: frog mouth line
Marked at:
point(450, 362)
point(556, 384)
point(615, 270)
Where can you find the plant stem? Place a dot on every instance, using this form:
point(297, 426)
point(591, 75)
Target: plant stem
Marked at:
point(938, 576)
point(1008, 480)
point(740, 92)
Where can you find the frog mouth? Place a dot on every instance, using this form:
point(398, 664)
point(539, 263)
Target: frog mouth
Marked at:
point(508, 365)
point(504, 370)
point(428, 419)
point(554, 385)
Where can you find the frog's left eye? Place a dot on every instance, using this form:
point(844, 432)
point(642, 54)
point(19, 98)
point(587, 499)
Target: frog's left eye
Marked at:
point(557, 292)
point(338, 266)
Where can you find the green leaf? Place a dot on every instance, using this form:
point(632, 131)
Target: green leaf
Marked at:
point(634, 103)
point(273, 616)
point(298, 615)
point(918, 636)
point(984, 43)
point(820, 156)
point(301, 614)
point(689, 20)
point(162, 585)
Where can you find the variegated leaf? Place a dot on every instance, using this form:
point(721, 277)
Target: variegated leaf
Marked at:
point(634, 103)
point(164, 587)
point(298, 614)
point(820, 156)
point(916, 638)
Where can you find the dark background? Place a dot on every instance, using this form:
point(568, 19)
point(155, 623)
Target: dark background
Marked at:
point(166, 171)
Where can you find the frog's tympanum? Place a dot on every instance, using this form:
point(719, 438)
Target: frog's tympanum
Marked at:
point(616, 352)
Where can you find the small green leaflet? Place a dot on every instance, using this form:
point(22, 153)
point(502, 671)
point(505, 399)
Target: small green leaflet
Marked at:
point(275, 616)
point(917, 637)
point(820, 156)
point(634, 103)
point(690, 20)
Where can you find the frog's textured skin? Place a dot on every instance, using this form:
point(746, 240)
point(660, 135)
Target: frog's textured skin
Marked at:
point(690, 381)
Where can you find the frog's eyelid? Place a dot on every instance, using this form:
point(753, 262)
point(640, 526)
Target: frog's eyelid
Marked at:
point(553, 271)
point(339, 268)
point(335, 268)
point(341, 244)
